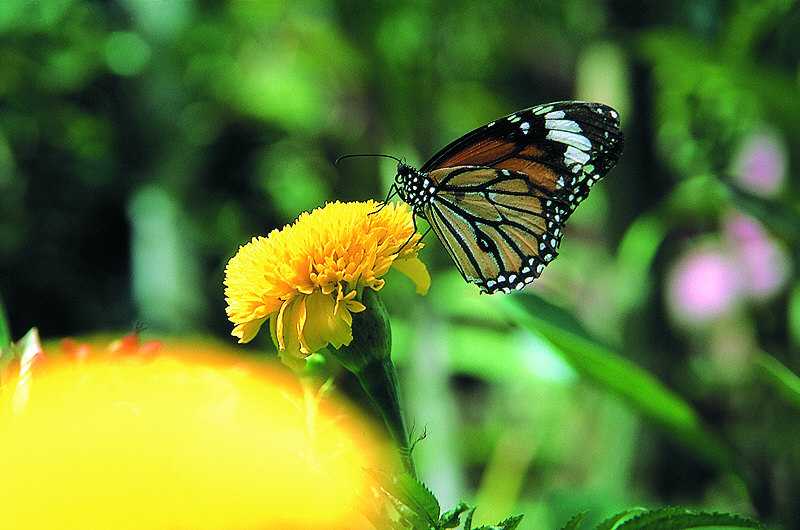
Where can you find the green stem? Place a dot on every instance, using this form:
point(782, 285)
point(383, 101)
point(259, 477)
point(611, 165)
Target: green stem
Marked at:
point(379, 380)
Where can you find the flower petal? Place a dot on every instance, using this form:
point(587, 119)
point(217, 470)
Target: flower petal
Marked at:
point(247, 330)
point(324, 325)
point(415, 269)
point(289, 322)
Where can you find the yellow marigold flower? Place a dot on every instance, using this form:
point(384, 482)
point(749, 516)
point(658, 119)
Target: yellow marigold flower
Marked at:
point(308, 277)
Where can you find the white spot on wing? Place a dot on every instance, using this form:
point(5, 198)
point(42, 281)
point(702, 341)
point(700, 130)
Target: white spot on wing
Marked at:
point(562, 125)
point(576, 155)
point(575, 140)
point(555, 115)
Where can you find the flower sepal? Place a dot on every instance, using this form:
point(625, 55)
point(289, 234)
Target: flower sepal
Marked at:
point(368, 357)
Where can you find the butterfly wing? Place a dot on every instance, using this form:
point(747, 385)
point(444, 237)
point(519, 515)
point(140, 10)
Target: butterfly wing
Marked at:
point(498, 235)
point(505, 190)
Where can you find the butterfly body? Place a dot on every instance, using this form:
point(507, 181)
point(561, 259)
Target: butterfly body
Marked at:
point(499, 196)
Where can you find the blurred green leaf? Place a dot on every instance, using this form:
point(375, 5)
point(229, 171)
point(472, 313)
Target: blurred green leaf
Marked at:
point(780, 377)
point(620, 377)
point(5, 328)
point(635, 255)
point(782, 217)
point(794, 315)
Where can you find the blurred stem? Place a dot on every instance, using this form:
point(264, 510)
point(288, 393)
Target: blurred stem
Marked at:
point(379, 380)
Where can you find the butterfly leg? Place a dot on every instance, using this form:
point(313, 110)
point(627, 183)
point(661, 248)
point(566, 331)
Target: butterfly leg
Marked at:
point(412, 236)
point(393, 190)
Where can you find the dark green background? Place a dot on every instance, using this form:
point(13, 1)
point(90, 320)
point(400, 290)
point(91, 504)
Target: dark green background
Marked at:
point(142, 142)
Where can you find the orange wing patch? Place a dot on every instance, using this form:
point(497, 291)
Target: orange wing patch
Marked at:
point(538, 174)
point(482, 153)
point(531, 151)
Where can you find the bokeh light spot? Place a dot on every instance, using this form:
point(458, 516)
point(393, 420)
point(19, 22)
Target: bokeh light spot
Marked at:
point(126, 53)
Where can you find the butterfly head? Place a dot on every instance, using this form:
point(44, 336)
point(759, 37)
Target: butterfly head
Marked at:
point(404, 174)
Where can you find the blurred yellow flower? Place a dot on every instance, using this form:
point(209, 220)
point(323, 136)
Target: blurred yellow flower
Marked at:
point(173, 441)
point(308, 278)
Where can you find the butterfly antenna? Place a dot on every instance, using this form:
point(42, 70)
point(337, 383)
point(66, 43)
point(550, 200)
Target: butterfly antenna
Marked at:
point(368, 154)
point(392, 190)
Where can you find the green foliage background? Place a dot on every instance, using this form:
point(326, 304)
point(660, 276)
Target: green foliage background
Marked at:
point(141, 142)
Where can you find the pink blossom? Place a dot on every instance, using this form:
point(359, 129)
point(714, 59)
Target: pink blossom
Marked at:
point(704, 284)
point(763, 261)
point(760, 166)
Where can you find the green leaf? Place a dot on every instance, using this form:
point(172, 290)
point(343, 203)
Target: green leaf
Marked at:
point(783, 379)
point(451, 518)
point(575, 522)
point(468, 519)
point(618, 376)
point(675, 518)
point(418, 497)
point(407, 517)
point(411, 499)
point(614, 521)
point(508, 524)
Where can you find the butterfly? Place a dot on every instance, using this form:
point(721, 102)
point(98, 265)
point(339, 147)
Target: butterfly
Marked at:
point(498, 197)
